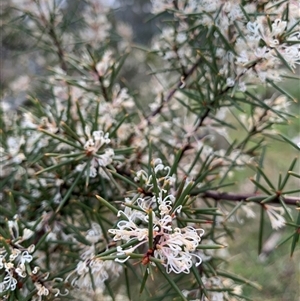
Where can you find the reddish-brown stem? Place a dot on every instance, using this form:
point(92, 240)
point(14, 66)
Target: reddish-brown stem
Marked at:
point(172, 91)
point(238, 197)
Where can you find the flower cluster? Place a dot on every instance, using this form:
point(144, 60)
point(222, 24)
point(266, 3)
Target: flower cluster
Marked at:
point(42, 8)
point(17, 267)
point(275, 215)
point(277, 49)
point(97, 161)
point(91, 272)
point(98, 269)
point(259, 45)
point(97, 24)
point(172, 245)
point(13, 266)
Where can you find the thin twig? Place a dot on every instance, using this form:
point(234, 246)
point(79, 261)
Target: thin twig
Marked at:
point(238, 197)
point(104, 91)
point(207, 111)
point(59, 50)
point(172, 91)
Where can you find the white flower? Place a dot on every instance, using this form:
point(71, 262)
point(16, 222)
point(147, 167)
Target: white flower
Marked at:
point(238, 289)
point(94, 144)
point(254, 28)
point(27, 233)
point(159, 166)
point(98, 161)
point(35, 270)
point(230, 82)
point(20, 270)
point(174, 246)
point(242, 87)
point(25, 257)
point(165, 205)
point(243, 57)
point(106, 158)
point(98, 269)
point(275, 216)
point(2, 261)
point(82, 268)
point(174, 249)
point(13, 228)
point(181, 37)
point(129, 230)
point(106, 62)
point(94, 234)
point(100, 136)
point(261, 52)
point(278, 27)
point(14, 254)
point(177, 262)
point(8, 266)
point(141, 175)
point(217, 296)
point(121, 97)
point(291, 54)
point(41, 289)
point(8, 283)
point(132, 214)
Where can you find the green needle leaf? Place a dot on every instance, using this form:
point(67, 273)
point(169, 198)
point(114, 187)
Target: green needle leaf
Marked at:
point(146, 274)
point(107, 204)
point(68, 194)
point(171, 282)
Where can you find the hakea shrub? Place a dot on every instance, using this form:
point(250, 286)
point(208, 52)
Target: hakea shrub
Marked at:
point(123, 173)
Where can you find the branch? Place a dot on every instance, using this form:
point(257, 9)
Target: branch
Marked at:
point(53, 36)
point(222, 196)
point(172, 91)
point(103, 89)
point(59, 50)
point(207, 111)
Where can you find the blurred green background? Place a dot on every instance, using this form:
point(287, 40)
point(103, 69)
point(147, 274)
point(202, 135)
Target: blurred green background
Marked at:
point(279, 273)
